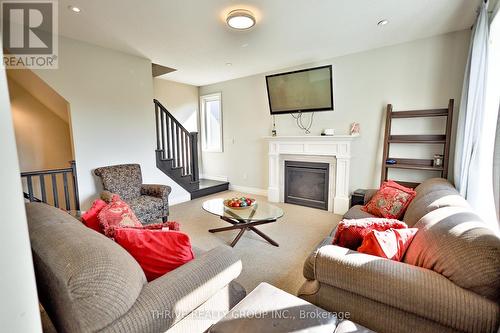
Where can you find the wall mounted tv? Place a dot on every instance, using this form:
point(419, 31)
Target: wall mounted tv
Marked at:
point(305, 90)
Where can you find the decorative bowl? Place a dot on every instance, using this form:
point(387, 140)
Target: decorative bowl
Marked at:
point(250, 202)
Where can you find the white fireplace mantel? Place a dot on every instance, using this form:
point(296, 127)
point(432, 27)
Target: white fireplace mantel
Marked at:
point(338, 146)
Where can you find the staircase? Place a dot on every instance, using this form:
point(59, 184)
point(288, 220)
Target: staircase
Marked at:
point(177, 155)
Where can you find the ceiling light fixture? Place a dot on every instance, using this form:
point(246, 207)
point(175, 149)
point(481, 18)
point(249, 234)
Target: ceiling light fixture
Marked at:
point(74, 9)
point(228, 64)
point(240, 19)
point(382, 23)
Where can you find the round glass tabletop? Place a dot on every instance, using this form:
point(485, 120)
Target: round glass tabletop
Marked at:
point(261, 211)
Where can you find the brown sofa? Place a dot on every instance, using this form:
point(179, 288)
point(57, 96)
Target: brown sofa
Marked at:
point(88, 283)
point(448, 281)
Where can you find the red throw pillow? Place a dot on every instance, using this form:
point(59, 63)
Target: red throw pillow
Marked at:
point(157, 251)
point(117, 214)
point(90, 217)
point(350, 233)
point(390, 244)
point(390, 201)
point(170, 225)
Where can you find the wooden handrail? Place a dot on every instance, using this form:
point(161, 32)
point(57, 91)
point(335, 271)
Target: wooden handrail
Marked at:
point(157, 103)
point(176, 143)
point(40, 175)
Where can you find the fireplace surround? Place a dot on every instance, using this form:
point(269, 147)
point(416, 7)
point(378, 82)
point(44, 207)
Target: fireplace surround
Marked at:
point(306, 183)
point(334, 150)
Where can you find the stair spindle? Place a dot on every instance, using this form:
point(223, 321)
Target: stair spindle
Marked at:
point(179, 146)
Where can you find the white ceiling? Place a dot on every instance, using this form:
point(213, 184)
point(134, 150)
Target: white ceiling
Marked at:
point(191, 35)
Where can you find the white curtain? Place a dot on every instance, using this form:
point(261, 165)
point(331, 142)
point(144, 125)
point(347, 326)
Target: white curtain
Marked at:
point(495, 99)
point(477, 124)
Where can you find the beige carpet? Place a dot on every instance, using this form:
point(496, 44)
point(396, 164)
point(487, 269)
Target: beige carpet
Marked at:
point(297, 233)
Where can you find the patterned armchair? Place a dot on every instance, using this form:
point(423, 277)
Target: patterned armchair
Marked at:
point(149, 202)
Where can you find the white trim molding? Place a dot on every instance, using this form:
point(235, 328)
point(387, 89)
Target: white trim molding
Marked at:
point(337, 146)
point(247, 189)
point(219, 178)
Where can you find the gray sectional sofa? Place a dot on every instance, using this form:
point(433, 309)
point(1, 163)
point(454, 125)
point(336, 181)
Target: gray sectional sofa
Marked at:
point(448, 281)
point(88, 283)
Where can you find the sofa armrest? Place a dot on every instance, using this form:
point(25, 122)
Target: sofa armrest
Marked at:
point(166, 300)
point(410, 288)
point(156, 190)
point(369, 193)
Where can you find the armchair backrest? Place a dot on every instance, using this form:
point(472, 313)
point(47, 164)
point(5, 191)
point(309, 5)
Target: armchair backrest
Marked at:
point(124, 180)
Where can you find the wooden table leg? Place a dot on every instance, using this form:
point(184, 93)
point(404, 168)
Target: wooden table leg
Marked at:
point(244, 226)
point(233, 227)
point(263, 235)
point(242, 231)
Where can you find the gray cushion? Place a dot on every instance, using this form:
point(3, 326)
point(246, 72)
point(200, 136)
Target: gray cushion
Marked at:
point(269, 309)
point(147, 208)
point(85, 280)
point(456, 243)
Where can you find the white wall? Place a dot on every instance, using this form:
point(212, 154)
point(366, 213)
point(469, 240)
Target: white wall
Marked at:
point(19, 310)
point(180, 99)
point(415, 75)
point(112, 114)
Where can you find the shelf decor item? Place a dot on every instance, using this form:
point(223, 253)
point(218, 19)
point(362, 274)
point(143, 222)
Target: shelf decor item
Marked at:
point(239, 203)
point(438, 160)
point(354, 130)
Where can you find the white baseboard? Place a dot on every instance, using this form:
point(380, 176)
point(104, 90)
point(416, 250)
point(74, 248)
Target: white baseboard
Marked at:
point(247, 189)
point(212, 177)
point(179, 199)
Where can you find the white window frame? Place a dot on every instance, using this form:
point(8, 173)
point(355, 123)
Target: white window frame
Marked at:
point(219, 148)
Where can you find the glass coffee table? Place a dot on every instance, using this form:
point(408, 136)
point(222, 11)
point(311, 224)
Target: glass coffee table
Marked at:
point(244, 219)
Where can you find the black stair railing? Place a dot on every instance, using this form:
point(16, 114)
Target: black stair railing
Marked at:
point(176, 143)
point(53, 187)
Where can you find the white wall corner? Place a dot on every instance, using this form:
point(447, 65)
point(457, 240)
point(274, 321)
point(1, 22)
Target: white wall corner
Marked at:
point(177, 199)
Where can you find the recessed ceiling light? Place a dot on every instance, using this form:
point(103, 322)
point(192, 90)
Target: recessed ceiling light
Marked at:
point(228, 64)
point(74, 9)
point(382, 23)
point(240, 19)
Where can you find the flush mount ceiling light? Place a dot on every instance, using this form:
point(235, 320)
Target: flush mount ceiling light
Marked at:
point(240, 19)
point(382, 23)
point(74, 9)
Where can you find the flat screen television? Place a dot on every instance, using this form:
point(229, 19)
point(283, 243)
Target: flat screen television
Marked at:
point(305, 90)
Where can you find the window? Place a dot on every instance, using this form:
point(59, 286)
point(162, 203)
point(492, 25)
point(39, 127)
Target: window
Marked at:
point(211, 122)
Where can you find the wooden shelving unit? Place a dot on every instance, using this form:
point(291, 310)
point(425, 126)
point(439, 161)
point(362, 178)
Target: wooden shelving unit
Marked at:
point(416, 164)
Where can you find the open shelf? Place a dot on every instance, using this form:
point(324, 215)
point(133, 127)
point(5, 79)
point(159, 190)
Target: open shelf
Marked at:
point(407, 184)
point(413, 167)
point(420, 113)
point(428, 139)
point(414, 164)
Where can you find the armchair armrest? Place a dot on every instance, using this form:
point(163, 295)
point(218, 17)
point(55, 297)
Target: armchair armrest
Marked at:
point(106, 196)
point(156, 190)
point(166, 300)
point(410, 288)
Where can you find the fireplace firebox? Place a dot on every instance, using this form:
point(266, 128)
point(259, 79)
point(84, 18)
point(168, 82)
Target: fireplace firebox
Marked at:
point(306, 184)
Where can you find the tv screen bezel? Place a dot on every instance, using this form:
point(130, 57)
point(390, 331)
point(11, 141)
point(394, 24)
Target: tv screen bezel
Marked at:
point(330, 67)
